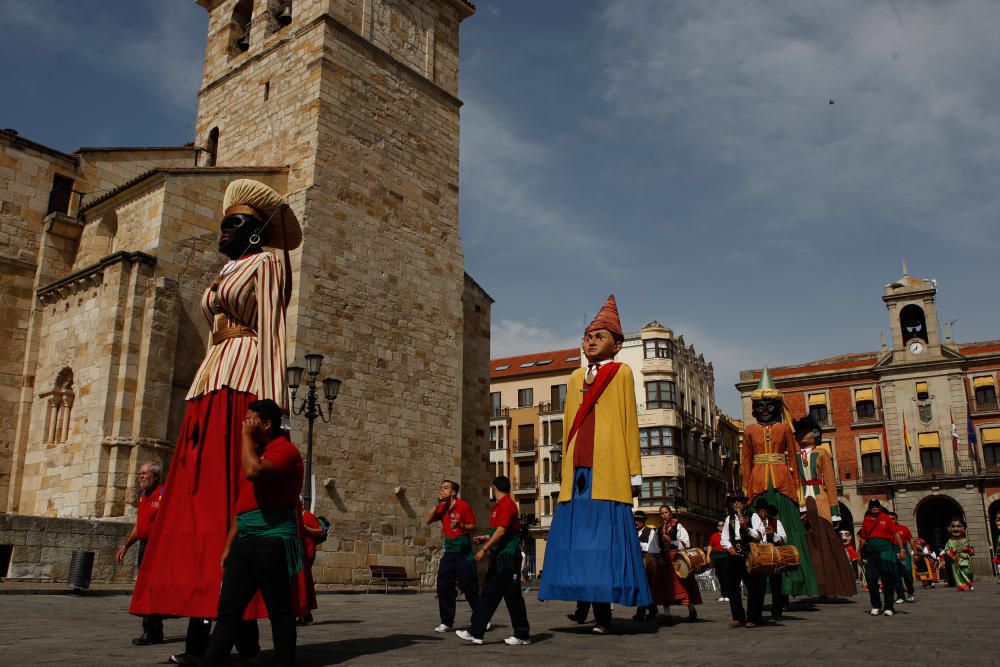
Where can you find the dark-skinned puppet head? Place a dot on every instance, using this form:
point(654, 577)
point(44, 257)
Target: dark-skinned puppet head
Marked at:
point(766, 400)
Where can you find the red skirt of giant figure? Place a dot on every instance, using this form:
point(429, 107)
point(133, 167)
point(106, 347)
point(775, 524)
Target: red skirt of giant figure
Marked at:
point(180, 573)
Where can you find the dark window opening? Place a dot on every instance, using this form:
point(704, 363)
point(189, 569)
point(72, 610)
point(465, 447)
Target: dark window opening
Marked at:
point(661, 394)
point(871, 465)
point(59, 196)
point(213, 147)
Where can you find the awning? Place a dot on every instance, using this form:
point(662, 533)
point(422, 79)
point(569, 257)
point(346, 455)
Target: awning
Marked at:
point(928, 440)
point(864, 395)
point(871, 445)
point(982, 381)
point(991, 436)
point(922, 388)
point(817, 399)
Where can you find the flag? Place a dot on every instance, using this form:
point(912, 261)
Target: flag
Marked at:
point(954, 436)
point(973, 444)
point(907, 445)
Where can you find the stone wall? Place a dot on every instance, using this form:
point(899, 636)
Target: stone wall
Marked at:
point(43, 548)
point(477, 472)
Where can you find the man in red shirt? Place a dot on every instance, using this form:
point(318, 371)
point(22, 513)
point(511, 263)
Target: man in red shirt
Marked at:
point(503, 578)
point(881, 548)
point(457, 522)
point(263, 549)
point(150, 496)
point(904, 569)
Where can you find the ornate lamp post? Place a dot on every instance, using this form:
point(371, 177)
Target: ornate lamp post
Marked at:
point(311, 408)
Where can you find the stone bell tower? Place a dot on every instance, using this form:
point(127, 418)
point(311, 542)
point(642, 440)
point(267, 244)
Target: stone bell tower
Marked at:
point(913, 318)
point(358, 99)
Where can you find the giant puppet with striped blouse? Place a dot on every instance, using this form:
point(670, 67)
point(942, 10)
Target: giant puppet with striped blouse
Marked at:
point(245, 361)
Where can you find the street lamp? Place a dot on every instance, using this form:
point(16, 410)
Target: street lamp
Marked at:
point(311, 408)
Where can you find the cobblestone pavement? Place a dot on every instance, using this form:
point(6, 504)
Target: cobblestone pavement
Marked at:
point(943, 626)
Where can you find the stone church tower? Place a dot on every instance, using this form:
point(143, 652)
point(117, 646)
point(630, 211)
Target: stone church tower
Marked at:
point(351, 108)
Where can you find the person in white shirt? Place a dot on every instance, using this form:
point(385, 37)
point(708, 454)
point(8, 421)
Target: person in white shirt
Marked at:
point(773, 533)
point(671, 537)
point(647, 537)
point(738, 532)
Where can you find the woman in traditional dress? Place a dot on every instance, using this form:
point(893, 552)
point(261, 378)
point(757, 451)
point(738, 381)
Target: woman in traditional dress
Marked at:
point(958, 551)
point(768, 463)
point(245, 361)
point(819, 490)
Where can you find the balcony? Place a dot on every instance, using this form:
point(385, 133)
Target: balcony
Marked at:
point(551, 408)
point(984, 407)
point(500, 413)
point(524, 449)
point(526, 487)
point(902, 475)
point(866, 416)
point(704, 511)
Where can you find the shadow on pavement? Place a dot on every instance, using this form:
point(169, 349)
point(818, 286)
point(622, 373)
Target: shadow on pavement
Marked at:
point(336, 652)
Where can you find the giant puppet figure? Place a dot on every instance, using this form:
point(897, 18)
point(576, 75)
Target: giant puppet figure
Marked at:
point(245, 361)
point(768, 462)
point(822, 511)
point(593, 551)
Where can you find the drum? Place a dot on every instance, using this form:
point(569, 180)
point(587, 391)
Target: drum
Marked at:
point(764, 559)
point(788, 558)
point(690, 561)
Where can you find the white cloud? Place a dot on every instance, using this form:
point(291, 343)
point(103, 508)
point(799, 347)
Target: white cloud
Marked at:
point(744, 88)
point(164, 57)
point(510, 337)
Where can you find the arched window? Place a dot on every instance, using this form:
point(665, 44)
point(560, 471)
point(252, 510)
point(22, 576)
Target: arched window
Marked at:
point(239, 27)
point(212, 147)
point(912, 323)
point(59, 407)
point(281, 13)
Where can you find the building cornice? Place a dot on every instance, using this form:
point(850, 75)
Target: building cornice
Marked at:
point(90, 275)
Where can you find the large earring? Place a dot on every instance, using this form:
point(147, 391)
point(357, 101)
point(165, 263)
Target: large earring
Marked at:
point(255, 238)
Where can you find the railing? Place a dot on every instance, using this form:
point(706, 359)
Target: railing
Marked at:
point(498, 444)
point(704, 510)
point(825, 422)
point(523, 446)
point(985, 406)
point(550, 408)
point(526, 484)
point(871, 415)
point(659, 451)
point(946, 470)
point(499, 413)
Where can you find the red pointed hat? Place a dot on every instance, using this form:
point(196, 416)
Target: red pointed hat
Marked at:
point(607, 318)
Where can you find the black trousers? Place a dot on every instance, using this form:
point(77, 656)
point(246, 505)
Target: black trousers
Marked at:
point(602, 612)
point(501, 585)
point(876, 570)
point(736, 575)
point(152, 625)
point(454, 569)
point(778, 599)
point(254, 563)
point(904, 579)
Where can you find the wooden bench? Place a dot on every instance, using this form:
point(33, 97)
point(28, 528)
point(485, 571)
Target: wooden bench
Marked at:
point(389, 573)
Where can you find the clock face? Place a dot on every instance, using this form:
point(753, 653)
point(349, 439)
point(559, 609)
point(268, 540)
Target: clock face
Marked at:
point(916, 347)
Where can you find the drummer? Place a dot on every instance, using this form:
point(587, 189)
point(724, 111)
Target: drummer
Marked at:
point(773, 533)
point(671, 538)
point(736, 539)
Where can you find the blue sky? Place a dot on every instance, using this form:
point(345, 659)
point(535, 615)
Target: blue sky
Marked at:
point(683, 155)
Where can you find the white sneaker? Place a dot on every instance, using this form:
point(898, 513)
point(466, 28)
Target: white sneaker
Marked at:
point(875, 611)
point(514, 641)
point(900, 601)
point(723, 600)
point(489, 626)
point(443, 628)
point(888, 612)
point(464, 634)
point(909, 598)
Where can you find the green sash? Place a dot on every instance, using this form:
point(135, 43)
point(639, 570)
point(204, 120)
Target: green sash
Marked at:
point(506, 553)
point(461, 545)
point(275, 522)
point(884, 549)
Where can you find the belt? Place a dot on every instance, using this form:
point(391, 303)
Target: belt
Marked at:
point(811, 482)
point(225, 333)
point(764, 459)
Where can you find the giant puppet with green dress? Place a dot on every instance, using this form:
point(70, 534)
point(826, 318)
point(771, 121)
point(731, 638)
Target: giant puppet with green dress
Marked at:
point(958, 552)
point(593, 551)
point(769, 467)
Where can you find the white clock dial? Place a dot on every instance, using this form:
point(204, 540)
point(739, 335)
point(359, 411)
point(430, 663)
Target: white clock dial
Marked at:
point(916, 347)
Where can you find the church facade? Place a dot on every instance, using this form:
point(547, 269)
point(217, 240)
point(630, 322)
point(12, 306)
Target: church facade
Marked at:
point(915, 424)
point(351, 109)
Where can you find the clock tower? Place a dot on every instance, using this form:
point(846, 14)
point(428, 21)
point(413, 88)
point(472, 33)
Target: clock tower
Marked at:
point(913, 320)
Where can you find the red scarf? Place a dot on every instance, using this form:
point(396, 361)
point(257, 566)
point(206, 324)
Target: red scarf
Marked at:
point(601, 382)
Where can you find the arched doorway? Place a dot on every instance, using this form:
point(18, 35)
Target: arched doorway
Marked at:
point(846, 518)
point(933, 515)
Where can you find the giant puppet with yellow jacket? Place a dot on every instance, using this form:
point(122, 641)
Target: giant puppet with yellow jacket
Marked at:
point(593, 551)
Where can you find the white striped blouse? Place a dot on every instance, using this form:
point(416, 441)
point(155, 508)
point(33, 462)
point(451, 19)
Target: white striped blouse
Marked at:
point(249, 294)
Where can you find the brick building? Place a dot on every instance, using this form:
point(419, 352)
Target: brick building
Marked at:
point(689, 447)
point(942, 391)
point(351, 109)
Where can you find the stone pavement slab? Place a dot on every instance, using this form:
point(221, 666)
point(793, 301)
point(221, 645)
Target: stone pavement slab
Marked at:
point(944, 626)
